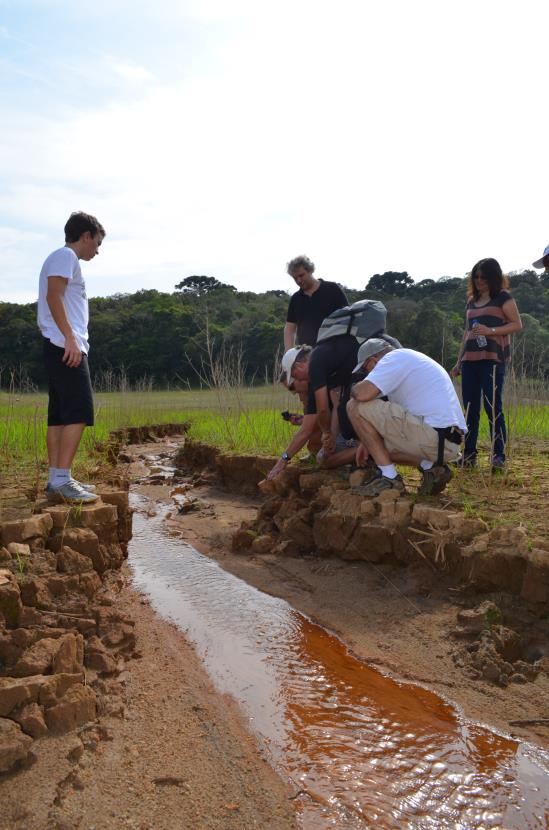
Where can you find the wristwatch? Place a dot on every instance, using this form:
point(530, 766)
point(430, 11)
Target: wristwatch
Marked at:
point(285, 456)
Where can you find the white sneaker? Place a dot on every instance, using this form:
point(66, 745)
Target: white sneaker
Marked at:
point(71, 492)
point(91, 488)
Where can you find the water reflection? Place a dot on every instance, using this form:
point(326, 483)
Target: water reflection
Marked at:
point(363, 750)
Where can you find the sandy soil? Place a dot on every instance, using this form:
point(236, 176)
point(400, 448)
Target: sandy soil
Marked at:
point(173, 755)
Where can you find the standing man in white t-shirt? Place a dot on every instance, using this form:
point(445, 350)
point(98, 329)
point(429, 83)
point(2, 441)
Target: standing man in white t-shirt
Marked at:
point(421, 422)
point(63, 320)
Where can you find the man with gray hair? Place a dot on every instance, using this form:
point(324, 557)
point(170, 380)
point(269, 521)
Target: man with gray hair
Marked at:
point(421, 422)
point(315, 300)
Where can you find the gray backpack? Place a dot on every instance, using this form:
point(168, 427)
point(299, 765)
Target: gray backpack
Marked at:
point(363, 319)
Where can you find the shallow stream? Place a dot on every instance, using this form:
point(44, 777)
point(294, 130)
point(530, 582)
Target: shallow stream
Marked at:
point(362, 750)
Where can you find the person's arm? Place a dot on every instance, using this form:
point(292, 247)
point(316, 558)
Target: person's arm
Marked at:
point(290, 330)
point(514, 323)
point(324, 415)
point(456, 369)
point(296, 444)
point(364, 391)
point(55, 299)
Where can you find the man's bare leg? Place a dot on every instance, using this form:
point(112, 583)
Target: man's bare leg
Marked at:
point(62, 443)
point(53, 440)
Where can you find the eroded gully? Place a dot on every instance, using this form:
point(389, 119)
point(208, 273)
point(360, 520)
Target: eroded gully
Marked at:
point(361, 749)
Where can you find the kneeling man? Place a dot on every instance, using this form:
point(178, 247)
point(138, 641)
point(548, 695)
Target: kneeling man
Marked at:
point(420, 423)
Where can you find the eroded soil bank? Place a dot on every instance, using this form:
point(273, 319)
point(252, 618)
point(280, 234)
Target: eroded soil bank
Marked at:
point(413, 618)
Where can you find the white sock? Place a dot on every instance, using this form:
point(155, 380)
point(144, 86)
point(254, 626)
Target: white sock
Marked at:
point(60, 477)
point(426, 465)
point(389, 471)
point(51, 474)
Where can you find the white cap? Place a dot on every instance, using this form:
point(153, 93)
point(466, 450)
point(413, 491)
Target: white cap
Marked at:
point(288, 362)
point(539, 262)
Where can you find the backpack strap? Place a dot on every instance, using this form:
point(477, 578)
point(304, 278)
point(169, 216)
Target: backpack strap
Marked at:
point(452, 434)
point(352, 315)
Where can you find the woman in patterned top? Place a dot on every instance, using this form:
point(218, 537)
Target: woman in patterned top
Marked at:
point(491, 317)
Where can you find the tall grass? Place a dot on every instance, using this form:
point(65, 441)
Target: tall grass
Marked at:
point(253, 424)
point(229, 415)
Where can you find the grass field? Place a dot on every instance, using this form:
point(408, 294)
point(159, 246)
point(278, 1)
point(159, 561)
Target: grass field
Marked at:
point(244, 420)
point(237, 419)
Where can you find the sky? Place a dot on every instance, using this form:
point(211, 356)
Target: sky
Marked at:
point(225, 137)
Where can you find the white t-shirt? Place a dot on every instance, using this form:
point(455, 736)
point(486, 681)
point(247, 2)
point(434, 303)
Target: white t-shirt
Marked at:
point(64, 263)
point(420, 385)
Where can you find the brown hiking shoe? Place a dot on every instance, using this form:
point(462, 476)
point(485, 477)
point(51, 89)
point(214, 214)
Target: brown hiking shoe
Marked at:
point(434, 480)
point(380, 483)
point(361, 476)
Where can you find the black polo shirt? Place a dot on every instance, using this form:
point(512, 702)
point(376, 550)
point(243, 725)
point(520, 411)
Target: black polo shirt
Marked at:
point(331, 364)
point(309, 312)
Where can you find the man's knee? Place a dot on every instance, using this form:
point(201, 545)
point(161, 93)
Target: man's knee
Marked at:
point(358, 411)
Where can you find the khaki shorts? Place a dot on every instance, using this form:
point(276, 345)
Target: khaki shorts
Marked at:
point(405, 433)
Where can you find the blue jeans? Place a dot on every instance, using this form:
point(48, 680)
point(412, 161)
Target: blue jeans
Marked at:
point(483, 379)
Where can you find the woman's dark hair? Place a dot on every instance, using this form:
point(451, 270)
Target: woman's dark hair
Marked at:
point(78, 223)
point(490, 270)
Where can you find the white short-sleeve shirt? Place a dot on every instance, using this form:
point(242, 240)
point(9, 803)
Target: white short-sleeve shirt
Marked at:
point(420, 385)
point(64, 263)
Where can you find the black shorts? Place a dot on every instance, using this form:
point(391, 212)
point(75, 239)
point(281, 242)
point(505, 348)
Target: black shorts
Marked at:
point(70, 390)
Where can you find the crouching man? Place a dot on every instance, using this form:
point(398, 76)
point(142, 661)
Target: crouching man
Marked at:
point(420, 423)
point(317, 375)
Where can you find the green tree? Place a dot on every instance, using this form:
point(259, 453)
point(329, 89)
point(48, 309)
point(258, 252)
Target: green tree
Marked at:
point(201, 285)
point(390, 282)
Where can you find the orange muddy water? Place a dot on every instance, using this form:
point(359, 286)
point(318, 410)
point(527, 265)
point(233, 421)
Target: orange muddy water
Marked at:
point(362, 750)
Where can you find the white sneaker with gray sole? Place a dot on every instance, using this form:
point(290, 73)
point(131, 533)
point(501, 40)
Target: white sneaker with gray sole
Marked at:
point(71, 492)
point(91, 488)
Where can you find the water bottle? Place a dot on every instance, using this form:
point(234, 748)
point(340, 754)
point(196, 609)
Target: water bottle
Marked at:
point(480, 338)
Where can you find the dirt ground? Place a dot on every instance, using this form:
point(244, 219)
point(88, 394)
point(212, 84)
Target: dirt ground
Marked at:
point(167, 752)
point(173, 753)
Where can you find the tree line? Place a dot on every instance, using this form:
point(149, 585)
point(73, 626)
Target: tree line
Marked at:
point(163, 339)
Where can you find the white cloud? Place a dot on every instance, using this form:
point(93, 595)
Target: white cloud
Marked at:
point(130, 72)
point(14, 236)
point(386, 136)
